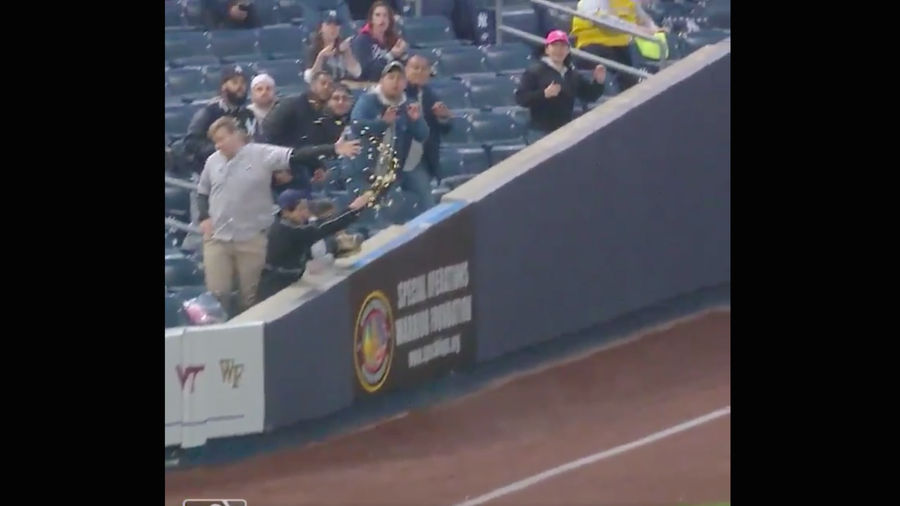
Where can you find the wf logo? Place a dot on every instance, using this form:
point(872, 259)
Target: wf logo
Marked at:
point(189, 372)
point(231, 372)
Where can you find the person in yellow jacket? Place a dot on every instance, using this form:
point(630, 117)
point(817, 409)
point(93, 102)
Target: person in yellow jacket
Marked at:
point(607, 43)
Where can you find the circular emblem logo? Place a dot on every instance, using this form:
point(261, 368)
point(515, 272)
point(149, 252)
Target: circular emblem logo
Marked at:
point(373, 341)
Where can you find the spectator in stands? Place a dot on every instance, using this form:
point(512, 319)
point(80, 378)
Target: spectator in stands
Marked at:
point(229, 14)
point(378, 43)
point(423, 161)
point(262, 99)
point(291, 123)
point(235, 205)
point(549, 87)
point(383, 118)
point(359, 9)
point(291, 120)
point(331, 54)
point(607, 43)
point(291, 238)
point(197, 147)
point(336, 118)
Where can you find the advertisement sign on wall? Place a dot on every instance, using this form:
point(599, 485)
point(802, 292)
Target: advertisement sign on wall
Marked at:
point(412, 309)
point(214, 383)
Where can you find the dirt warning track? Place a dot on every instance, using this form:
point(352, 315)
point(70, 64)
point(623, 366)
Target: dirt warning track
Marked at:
point(481, 448)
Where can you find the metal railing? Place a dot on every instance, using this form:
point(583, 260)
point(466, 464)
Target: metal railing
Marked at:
point(615, 24)
point(581, 54)
point(184, 227)
point(634, 31)
point(187, 185)
point(181, 183)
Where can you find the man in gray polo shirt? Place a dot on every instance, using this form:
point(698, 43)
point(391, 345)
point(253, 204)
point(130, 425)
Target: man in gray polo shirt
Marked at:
point(235, 204)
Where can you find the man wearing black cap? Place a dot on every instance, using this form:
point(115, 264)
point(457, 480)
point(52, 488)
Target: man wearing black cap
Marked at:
point(233, 95)
point(385, 122)
point(291, 237)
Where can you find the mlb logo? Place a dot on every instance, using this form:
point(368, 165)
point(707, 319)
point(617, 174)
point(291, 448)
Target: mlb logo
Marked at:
point(214, 502)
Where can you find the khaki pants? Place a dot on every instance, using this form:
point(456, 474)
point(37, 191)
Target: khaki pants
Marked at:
point(220, 261)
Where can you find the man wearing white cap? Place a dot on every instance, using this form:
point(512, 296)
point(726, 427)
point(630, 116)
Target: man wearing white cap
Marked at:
point(262, 94)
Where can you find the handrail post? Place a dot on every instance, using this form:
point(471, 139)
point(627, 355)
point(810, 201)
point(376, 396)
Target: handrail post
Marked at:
point(498, 21)
point(663, 50)
point(418, 8)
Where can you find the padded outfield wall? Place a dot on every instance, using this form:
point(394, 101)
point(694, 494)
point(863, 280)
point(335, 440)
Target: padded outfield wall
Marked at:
point(625, 207)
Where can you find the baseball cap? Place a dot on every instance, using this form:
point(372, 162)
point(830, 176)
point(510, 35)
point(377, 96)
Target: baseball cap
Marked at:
point(556, 36)
point(289, 198)
point(394, 65)
point(331, 17)
point(230, 71)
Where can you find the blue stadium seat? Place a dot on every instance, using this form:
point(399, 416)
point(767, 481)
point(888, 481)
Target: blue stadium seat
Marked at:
point(439, 192)
point(234, 45)
point(454, 93)
point(467, 159)
point(265, 11)
point(492, 92)
point(474, 159)
point(177, 121)
point(178, 203)
point(288, 11)
point(509, 57)
point(695, 40)
point(713, 14)
point(459, 60)
point(185, 83)
point(501, 152)
point(173, 14)
point(532, 136)
point(184, 44)
point(455, 181)
point(492, 128)
point(197, 61)
point(282, 42)
point(459, 133)
point(524, 20)
point(521, 115)
point(427, 30)
point(451, 162)
point(286, 73)
point(181, 271)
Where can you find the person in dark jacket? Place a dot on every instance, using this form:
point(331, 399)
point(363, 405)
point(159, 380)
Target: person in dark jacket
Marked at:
point(197, 146)
point(550, 86)
point(378, 43)
point(292, 119)
point(336, 117)
point(229, 14)
point(425, 158)
point(291, 237)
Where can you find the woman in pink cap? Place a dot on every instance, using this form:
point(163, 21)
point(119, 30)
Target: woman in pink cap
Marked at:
point(549, 87)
